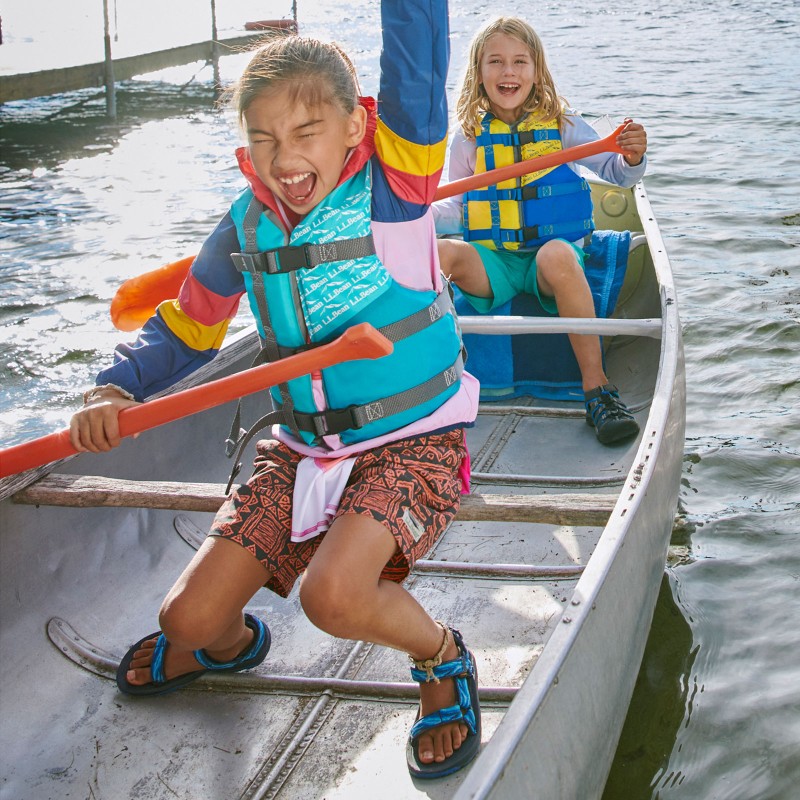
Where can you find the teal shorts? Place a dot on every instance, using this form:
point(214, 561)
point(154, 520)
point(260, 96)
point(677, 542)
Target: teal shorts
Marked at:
point(511, 272)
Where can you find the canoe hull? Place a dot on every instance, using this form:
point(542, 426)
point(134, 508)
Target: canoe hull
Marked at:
point(566, 649)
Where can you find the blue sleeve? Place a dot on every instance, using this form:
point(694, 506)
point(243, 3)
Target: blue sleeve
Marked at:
point(412, 100)
point(160, 356)
point(411, 134)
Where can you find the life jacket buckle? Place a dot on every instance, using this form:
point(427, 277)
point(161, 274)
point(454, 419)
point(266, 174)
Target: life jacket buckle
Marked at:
point(336, 420)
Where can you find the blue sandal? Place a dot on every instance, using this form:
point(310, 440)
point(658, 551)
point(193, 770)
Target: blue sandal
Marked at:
point(467, 709)
point(252, 657)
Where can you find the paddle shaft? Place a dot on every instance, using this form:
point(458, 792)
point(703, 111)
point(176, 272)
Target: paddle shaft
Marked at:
point(360, 341)
point(520, 168)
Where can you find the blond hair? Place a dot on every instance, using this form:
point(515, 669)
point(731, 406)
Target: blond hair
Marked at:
point(544, 101)
point(315, 72)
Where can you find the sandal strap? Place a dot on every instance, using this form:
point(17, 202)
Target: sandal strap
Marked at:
point(446, 715)
point(157, 663)
point(449, 669)
point(260, 632)
point(603, 402)
point(461, 670)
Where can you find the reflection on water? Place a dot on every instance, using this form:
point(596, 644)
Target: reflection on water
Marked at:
point(658, 705)
point(45, 132)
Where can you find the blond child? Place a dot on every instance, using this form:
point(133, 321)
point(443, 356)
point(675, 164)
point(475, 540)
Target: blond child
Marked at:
point(528, 234)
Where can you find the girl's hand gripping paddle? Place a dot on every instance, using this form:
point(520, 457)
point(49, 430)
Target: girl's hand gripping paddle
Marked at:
point(360, 341)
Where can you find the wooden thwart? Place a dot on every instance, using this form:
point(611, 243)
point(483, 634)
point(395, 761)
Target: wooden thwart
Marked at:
point(88, 491)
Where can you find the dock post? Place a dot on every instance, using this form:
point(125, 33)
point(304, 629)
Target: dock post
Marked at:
point(215, 46)
point(111, 89)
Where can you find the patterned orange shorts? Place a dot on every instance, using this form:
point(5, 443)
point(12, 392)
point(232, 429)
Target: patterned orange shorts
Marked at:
point(412, 487)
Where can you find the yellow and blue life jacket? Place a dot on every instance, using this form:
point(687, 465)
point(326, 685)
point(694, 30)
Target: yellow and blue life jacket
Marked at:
point(523, 213)
point(323, 280)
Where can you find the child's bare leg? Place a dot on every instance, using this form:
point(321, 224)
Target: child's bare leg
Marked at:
point(203, 610)
point(560, 276)
point(342, 593)
point(460, 263)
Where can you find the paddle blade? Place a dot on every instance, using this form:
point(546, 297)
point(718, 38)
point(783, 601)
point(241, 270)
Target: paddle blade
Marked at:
point(136, 300)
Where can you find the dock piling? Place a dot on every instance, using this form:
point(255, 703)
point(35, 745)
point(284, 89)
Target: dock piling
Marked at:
point(111, 87)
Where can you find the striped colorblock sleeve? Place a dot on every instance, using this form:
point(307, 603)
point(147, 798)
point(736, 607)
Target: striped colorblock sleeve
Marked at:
point(411, 136)
point(186, 332)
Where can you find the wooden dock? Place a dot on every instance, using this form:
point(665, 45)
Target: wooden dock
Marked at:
point(22, 84)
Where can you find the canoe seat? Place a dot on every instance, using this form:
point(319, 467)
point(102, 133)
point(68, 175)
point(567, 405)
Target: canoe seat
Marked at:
point(87, 491)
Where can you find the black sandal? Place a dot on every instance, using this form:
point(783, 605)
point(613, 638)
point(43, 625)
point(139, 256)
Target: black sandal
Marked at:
point(608, 415)
point(251, 657)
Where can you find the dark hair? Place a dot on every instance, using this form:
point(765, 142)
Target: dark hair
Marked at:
point(315, 72)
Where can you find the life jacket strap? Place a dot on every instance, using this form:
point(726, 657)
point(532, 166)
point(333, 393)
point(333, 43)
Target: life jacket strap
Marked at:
point(334, 421)
point(279, 417)
point(291, 258)
point(531, 191)
point(269, 344)
point(531, 232)
point(517, 138)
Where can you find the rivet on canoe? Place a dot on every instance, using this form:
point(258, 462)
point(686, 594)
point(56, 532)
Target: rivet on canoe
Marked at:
point(567, 620)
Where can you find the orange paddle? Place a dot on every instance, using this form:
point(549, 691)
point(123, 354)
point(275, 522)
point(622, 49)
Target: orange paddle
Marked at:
point(607, 145)
point(360, 341)
point(136, 300)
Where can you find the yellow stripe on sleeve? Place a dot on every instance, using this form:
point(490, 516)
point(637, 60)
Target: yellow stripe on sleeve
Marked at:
point(190, 332)
point(404, 156)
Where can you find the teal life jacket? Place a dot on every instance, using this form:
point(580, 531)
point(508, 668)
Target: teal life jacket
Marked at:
point(325, 279)
point(524, 213)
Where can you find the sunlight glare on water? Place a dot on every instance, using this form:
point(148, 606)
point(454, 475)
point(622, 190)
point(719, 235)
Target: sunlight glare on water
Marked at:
point(87, 203)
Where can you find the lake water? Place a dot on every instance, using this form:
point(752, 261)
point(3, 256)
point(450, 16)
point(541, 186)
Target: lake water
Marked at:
point(86, 203)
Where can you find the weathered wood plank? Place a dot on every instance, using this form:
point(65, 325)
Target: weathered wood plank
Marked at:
point(87, 491)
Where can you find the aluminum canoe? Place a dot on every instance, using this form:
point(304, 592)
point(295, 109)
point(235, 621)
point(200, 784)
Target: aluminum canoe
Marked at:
point(551, 571)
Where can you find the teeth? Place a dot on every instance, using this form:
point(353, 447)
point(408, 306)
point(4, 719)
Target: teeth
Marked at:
point(295, 179)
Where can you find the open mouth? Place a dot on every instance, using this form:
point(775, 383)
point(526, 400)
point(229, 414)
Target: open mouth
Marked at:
point(299, 188)
point(507, 89)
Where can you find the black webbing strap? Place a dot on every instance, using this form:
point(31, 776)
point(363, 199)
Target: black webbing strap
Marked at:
point(334, 421)
point(270, 351)
point(273, 418)
point(303, 256)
